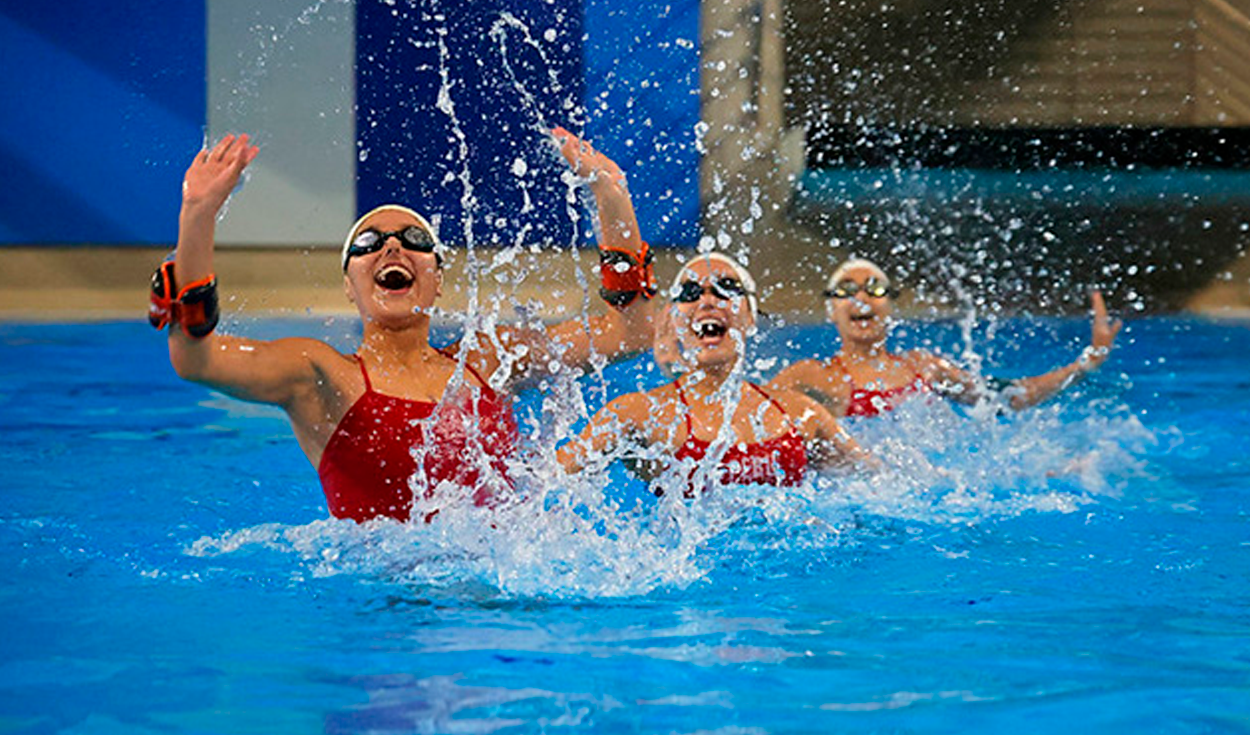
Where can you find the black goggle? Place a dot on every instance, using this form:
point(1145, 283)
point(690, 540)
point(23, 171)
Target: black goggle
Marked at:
point(688, 292)
point(873, 287)
point(410, 238)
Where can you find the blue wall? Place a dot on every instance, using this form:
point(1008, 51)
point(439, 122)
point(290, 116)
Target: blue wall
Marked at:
point(102, 102)
point(503, 91)
point(623, 74)
point(642, 99)
point(105, 103)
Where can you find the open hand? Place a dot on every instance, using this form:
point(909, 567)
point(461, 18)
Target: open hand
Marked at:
point(1102, 332)
point(584, 160)
point(215, 172)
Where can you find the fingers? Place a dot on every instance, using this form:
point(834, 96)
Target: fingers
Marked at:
point(234, 149)
point(1105, 329)
point(218, 151)
point(578, 152)
point(1100, 306)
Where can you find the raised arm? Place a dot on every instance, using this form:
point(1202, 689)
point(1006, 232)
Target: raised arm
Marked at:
point(628, 283)
point(269, 372)
point(962, 386)
point(1103, 330)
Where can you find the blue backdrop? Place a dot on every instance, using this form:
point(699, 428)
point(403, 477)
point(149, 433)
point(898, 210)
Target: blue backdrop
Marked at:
point(102, 104)
point(105, 102)
point(624, 75)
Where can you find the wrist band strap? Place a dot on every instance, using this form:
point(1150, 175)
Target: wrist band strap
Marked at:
point(626, 275)
point(161, 300)
point(195, 308)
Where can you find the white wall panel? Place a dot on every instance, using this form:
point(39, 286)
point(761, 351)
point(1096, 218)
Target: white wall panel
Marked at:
point(283, 71)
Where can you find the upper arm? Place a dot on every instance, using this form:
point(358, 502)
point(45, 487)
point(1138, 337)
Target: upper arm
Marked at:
point(524, 351)
point(811, 379)
point(273, 372)
point(796, 376)
point(813, 419)
point(829, 444)
point(619, 420)
point(946, 378)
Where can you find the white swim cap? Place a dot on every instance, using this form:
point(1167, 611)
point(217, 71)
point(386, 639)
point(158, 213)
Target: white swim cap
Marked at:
point(852, 264)
point(355, 230)
point(740, 272)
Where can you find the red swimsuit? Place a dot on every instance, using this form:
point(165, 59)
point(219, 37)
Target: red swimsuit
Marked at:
point(868, 402)
point(779, 460)
point(369, 466)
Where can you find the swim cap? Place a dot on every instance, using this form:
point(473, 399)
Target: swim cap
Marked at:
point(853, 263)
point(741, 273)
point(351, 234)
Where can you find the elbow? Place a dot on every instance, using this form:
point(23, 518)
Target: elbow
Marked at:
point(182, 367)
point(567, 459)
point(187, 364)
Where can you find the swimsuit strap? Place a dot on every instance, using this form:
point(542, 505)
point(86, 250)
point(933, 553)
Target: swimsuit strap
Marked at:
point(770, 399)
point(467, 366)
point(364, 373)
point(681, 396)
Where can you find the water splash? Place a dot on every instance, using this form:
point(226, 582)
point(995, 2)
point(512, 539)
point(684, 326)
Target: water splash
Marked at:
point(571, 537)
point(576, 538)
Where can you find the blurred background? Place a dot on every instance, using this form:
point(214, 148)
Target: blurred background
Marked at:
point(1003, 156)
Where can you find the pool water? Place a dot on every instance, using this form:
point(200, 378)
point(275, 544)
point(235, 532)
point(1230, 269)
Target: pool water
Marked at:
point(1083, 566)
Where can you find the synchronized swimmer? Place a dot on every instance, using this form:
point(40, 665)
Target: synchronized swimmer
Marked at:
point(360, 418)
point(710, 412)
point(396, 424)
point(864, 378)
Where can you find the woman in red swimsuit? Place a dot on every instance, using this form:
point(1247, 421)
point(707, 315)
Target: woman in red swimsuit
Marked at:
point(864, 378)
point(398, 422)
point(722, 428)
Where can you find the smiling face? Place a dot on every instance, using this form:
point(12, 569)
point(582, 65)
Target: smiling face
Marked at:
point(862, 320)
point(392, 285)
point(711, 329)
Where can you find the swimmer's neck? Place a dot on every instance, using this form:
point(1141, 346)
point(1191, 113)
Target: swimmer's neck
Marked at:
point(401, 346)
point(705, 383)
point(863, 351)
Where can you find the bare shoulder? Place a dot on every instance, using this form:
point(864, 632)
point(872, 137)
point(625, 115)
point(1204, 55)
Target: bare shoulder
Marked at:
point(801, 407)
point(825, 382)
point(636, 408)
point(312, 349)
point(313, 369)
point(483, 352)
point(803, 372)
point(925, 361)
point(318, 355)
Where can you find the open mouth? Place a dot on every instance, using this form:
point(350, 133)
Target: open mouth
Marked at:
point(863, 318)
point(709, 328)
point(394, 277)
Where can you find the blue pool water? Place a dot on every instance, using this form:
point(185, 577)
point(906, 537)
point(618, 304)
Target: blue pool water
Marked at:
point(1079, 567)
